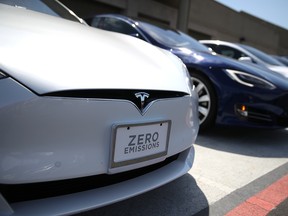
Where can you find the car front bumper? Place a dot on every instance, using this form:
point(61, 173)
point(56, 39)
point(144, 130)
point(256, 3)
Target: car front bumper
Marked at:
point(55, 141)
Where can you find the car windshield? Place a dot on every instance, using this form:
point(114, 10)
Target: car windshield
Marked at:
point(51, 7)
point(173, 38)
point(263, 56)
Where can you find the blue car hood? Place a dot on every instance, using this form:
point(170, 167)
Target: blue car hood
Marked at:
point(205, 59)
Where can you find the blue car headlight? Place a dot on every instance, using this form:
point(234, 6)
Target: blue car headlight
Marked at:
point(249, 80)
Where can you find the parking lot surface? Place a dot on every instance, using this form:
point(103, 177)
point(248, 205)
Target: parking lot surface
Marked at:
point(231, 166)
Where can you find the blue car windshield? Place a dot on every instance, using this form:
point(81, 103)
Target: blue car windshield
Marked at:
point(173, 38)
point(263, 56)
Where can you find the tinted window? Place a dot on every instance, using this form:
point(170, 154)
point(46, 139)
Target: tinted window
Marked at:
point(173, 38)
point(115, 25)
point(213, 47)
point(96, 22)
point(230, 52)
point(261, 55)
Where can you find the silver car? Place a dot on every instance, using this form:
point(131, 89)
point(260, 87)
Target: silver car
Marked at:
point(87, 117)
point(246, 54)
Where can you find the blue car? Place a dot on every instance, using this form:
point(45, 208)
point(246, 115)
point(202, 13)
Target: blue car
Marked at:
point(230, 92)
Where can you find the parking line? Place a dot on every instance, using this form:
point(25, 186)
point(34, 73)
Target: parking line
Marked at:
point(263, 202)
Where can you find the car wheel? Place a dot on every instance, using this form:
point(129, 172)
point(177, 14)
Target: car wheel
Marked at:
point(207, 105)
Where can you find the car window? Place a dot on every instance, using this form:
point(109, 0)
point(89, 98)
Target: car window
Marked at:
point(96, 22)
point(261, 55)
point(230, 52)
point(212, 46)
point(173, 38)
point(115, 25)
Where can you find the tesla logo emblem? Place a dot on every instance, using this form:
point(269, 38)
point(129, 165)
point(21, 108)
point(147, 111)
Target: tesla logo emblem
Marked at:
point(142, 96)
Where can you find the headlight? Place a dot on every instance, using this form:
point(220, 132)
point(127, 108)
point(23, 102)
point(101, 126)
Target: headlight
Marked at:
point(249, 80)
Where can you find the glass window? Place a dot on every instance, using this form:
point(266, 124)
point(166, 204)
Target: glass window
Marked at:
point(213, 47)
point(115, 25)
point(263, 56)
point(230, 52)
point(173, 38)
point(96, 22)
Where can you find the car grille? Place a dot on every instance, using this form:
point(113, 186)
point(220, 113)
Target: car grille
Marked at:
point(24, 192)
point(260, 116)
point(119, 95)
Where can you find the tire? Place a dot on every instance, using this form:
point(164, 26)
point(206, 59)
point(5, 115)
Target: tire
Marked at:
point(207, 103)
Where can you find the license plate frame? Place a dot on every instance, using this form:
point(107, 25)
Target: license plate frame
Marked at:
point(135, 143)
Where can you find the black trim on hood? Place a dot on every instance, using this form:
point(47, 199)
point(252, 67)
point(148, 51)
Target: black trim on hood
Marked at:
point(119, 94)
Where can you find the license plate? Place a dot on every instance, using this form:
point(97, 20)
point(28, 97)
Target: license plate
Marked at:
point(139, 142)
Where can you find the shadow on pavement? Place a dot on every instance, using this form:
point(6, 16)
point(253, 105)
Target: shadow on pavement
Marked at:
point(180, 197)
point(246, 141)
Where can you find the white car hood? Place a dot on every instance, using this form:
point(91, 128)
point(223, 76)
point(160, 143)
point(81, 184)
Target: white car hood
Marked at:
point(49, 54)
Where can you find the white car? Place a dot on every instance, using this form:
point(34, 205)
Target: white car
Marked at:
point(87, 117)
point(247, 54)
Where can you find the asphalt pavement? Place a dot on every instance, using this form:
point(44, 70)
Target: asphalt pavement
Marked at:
point(280, 210)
